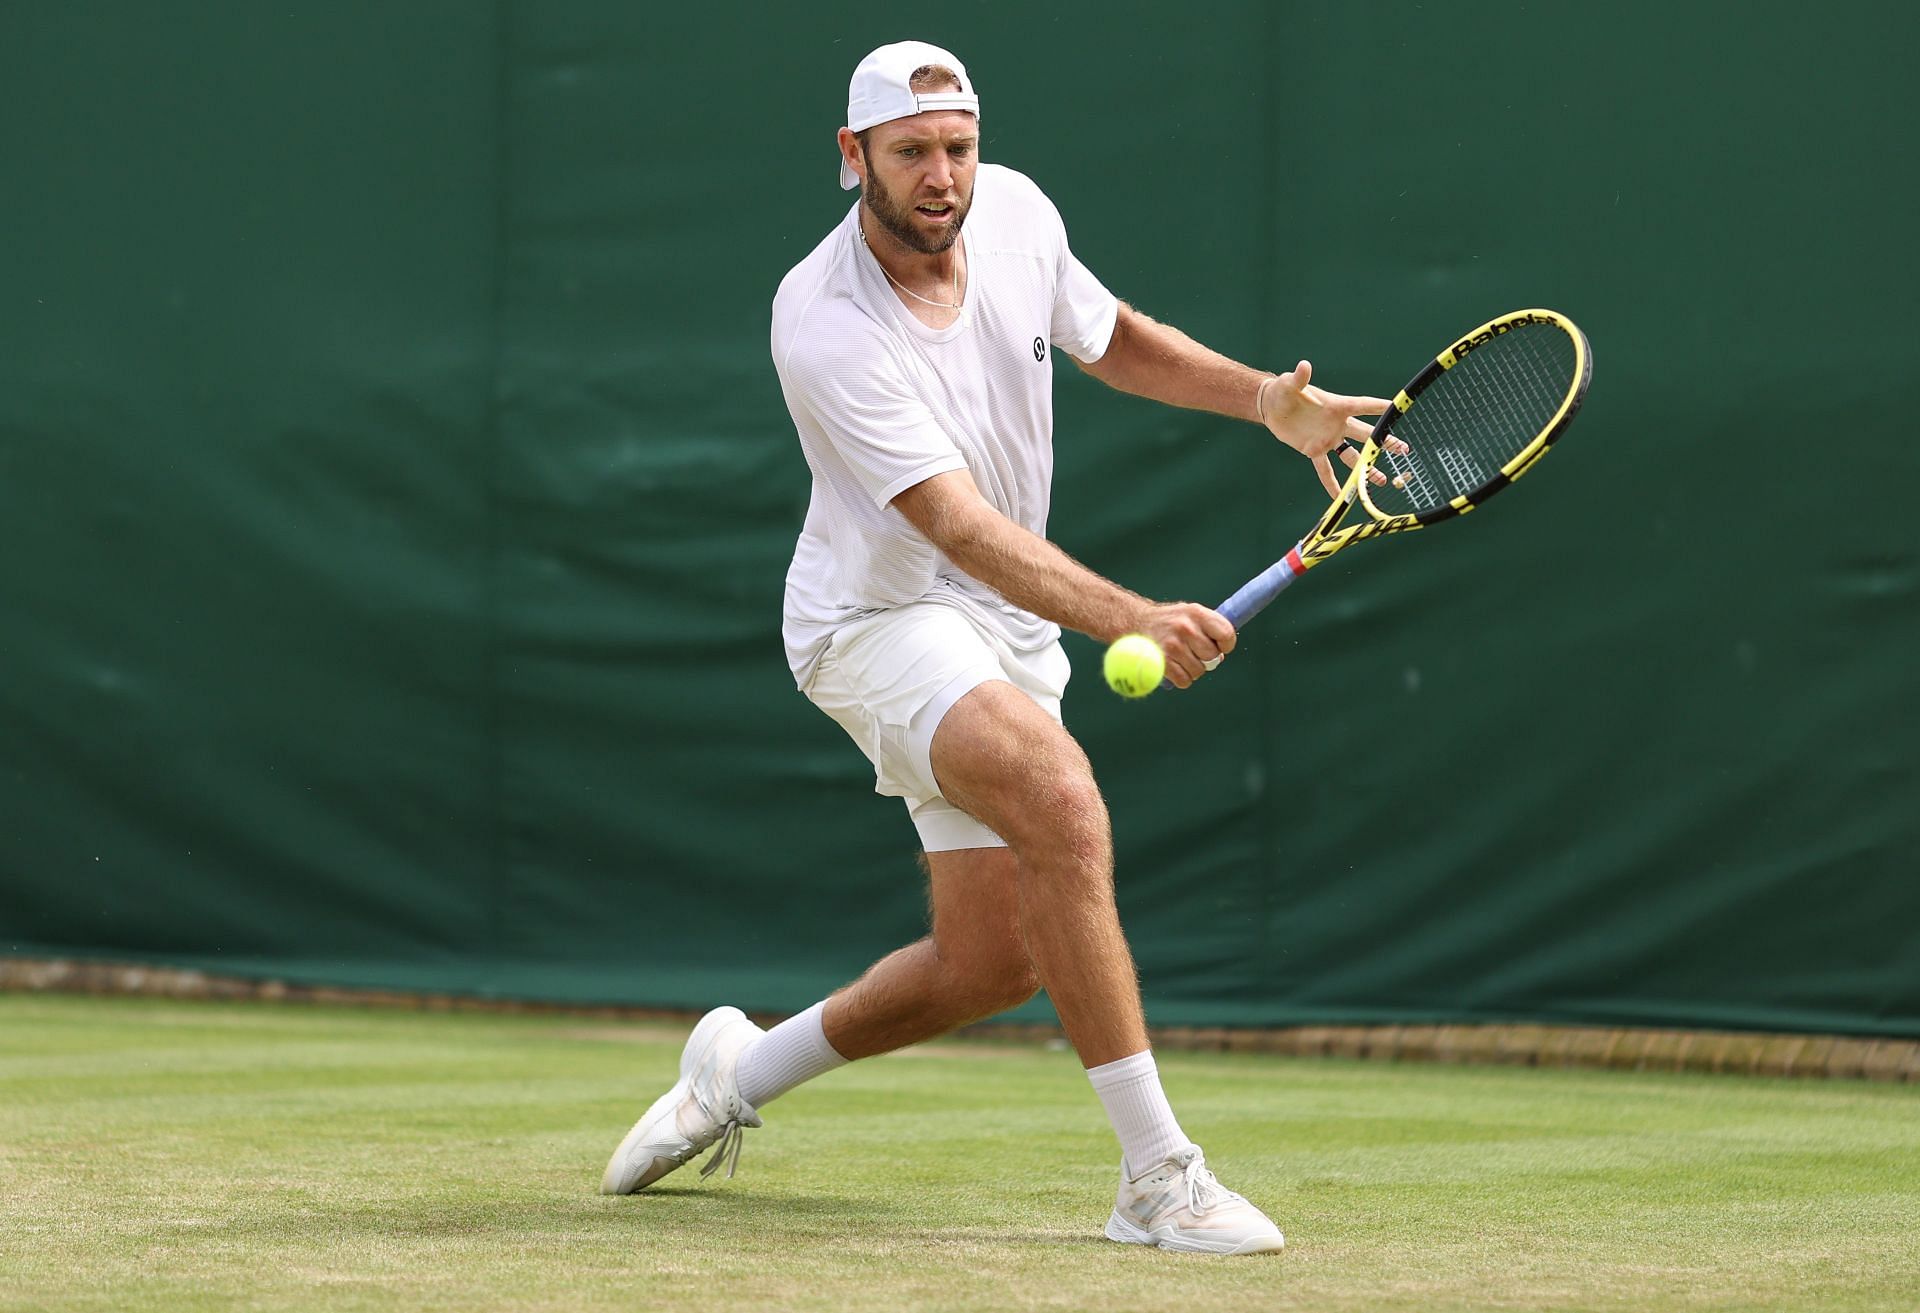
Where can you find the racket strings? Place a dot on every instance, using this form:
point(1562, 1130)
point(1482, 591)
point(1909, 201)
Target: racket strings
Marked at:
point(1477, 416)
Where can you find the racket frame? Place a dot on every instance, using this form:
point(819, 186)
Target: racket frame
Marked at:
point(1328, 537)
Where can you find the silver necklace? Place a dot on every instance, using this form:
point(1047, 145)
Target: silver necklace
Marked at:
point(925, 300)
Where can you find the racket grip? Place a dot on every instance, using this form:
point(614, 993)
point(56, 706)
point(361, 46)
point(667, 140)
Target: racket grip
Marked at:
point(1257, 592)
point(1253, 596)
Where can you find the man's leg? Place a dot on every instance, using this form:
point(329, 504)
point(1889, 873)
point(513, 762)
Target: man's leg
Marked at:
point(1003, 760)
point(971, 966)
point(1000, 758)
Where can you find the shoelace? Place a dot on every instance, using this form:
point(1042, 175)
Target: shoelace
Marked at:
point(732, 1136)
point(1203, 1187)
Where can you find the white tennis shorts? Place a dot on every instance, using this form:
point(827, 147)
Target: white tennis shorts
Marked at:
point(889, 679)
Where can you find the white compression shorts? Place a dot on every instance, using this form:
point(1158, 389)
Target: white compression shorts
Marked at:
point(890, 678)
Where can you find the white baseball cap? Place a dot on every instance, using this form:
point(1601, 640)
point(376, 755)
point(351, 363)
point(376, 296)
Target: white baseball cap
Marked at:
point(879, 92)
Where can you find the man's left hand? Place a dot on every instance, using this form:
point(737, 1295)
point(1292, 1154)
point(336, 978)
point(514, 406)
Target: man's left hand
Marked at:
point(1315, 422)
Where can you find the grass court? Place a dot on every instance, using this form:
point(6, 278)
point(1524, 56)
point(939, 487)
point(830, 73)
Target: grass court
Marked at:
point(166, 1155)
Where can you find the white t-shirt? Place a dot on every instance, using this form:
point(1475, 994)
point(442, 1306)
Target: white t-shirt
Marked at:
point(882, 402)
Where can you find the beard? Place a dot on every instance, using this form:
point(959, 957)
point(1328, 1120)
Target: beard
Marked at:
point(897, 219)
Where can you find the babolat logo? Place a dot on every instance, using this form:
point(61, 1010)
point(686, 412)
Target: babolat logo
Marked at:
point(1494, 330)
point(1320, 551)
point(1392, 524)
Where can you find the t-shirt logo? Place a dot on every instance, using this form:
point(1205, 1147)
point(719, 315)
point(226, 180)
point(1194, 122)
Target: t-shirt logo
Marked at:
point(1039, 348)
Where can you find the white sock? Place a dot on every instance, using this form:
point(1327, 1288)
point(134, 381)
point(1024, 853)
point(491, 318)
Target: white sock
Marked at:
point(1138, 1108)
point(796, 1050)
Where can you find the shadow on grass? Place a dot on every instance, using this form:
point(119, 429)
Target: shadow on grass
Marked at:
point(665, 1216)
point(660, 1211)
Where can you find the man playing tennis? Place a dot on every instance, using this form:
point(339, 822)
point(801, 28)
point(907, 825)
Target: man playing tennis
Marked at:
point(922, 613)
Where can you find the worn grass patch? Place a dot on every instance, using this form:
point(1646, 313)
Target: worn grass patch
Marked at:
point(178, 1156)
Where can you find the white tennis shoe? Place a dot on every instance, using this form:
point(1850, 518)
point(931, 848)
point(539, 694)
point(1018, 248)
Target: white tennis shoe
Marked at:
point(703, 1107)
point(1181, 1205)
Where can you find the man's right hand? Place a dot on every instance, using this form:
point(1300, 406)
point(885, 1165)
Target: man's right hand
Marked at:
point(1190, 635)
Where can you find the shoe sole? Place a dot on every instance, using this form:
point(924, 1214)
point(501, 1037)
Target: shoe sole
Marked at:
point(1120, 1229)
point(698, 1045)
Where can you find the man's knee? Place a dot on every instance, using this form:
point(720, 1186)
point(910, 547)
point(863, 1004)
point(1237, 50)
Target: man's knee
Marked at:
point(983, 983)
point(1018, 985)
point(1067, 815)
point(992, 989)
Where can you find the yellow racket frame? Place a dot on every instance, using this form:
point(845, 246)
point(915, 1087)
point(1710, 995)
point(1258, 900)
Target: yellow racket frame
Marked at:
point(1328, 537)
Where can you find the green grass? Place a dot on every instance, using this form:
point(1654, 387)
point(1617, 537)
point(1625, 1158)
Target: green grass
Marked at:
point(164, 1155)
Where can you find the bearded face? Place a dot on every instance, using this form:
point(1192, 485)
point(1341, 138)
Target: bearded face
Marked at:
point(919, 178)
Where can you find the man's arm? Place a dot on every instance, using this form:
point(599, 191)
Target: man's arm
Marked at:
point(1156, 360)
point(1037, 576)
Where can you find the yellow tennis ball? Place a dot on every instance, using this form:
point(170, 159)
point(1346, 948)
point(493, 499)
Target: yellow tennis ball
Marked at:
point(1135, 665)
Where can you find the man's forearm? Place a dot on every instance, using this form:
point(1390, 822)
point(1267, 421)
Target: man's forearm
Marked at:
point(1037, 576)
point(1156, 360)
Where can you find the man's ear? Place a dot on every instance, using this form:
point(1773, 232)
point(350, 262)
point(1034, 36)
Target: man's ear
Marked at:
point(850, 152)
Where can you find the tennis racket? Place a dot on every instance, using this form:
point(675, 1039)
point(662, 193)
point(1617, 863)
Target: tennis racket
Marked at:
point(1475, 418)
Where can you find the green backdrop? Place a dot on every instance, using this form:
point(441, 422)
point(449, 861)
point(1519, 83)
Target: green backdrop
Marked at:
point(396, 494)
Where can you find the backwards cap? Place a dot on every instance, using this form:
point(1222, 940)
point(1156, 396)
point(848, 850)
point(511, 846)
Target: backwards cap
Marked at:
point(879, 92)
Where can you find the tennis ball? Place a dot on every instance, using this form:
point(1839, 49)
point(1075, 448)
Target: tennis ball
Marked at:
point(1135, 665)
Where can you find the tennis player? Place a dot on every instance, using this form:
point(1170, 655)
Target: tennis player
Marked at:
point(923, 611)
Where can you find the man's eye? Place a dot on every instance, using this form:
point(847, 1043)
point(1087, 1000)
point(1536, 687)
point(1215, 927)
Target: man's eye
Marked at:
point(962, 151)
point(908, 152)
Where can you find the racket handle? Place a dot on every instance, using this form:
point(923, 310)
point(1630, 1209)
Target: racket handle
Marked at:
point(1253, 596)
point(1257, 592)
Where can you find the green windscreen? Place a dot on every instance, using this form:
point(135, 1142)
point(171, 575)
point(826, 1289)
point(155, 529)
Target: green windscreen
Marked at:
point(396, 495)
